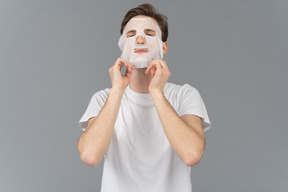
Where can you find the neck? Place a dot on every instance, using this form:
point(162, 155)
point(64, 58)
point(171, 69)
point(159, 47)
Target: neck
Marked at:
point(139, 82)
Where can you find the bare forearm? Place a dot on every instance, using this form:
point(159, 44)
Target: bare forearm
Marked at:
point(95, 141)
point(187, 143)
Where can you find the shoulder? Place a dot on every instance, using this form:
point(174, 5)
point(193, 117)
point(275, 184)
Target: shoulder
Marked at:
point(188, 89)
point(102, 94)
point(172, 88)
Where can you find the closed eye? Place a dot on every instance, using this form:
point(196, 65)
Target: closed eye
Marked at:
point(131, 33)
point(150, 32)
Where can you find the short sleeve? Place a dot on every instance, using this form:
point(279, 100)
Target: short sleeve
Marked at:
point(190, 102)
point(95, 105)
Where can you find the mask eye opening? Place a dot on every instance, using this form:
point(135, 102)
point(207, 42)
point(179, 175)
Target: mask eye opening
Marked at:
point(150, 32)
point(131, 33)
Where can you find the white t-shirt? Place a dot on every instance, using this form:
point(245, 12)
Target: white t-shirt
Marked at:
point(140, 157)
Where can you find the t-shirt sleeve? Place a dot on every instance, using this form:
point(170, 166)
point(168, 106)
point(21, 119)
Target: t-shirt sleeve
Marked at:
point(95, 105)
point(190, 102)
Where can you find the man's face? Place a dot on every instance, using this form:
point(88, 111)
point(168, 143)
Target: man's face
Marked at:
point(141, 41)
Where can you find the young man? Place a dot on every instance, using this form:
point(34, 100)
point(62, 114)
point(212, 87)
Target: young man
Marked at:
point(149, 131)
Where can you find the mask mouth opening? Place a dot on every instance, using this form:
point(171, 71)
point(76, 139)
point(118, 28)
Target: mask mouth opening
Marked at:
point(140, 50)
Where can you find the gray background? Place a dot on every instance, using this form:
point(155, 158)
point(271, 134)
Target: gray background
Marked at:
point(55, 54)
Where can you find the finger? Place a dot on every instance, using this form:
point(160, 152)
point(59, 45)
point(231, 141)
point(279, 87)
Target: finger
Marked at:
point(164, 65)
point(122, 62)
point(128, 73)
point(119, 64)
point(154, 62)
point(149, 68)
point(155, 66)
point(161, 66)
point(158, 67)
point(153, 70)
point(127, 63)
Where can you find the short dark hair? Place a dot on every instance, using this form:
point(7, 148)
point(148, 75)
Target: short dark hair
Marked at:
point(150, 11)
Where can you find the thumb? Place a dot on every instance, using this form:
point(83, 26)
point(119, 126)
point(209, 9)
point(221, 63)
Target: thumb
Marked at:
point(128, 72)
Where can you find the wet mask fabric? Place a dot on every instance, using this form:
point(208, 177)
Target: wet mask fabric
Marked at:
point(153, 44)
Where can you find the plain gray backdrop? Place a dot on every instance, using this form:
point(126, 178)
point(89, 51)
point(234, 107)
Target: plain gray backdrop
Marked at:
point(55, 54)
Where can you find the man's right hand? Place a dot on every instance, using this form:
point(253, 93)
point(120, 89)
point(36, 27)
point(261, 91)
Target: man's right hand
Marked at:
point(95, 141)
point(119, 81)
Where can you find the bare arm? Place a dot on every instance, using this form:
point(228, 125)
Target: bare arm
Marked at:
point(95, 141)
point(184, 133)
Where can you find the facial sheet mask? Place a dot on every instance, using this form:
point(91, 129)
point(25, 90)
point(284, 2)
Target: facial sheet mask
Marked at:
point(153, 44)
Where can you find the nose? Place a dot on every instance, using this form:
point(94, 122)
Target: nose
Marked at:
point(140, 40)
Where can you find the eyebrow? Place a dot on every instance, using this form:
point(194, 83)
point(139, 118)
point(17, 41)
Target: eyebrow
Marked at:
point(149, 30)
point(131, 31)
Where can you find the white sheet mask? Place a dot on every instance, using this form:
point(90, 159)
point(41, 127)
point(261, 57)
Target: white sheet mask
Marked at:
point(153, 44)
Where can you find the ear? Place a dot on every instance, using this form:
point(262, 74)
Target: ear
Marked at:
point(165, 47)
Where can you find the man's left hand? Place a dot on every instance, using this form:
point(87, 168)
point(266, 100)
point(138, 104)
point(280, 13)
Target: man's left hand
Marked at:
point(160, 74)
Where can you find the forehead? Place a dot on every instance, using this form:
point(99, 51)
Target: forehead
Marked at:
point(142, 22)
point(143, 17)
